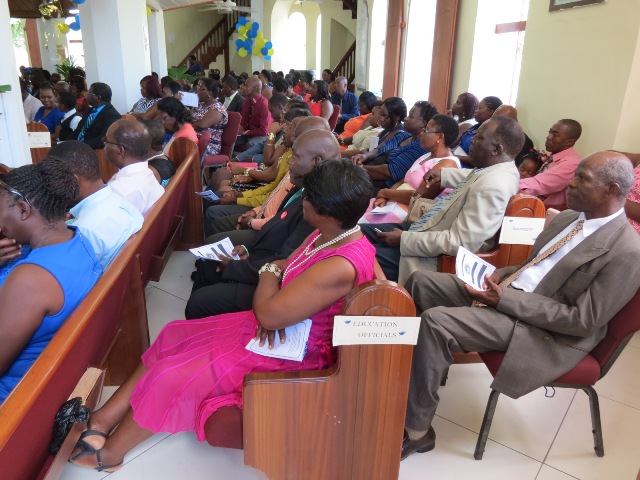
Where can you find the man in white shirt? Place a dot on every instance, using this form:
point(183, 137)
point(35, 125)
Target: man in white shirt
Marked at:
point(105, 218)
point(546, 314)
point(126, 145)
point(30, 104)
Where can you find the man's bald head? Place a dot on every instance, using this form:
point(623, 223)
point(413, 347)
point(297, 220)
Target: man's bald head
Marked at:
point(311, 148)
point(506, 111)
point(130, 139)
point(253, 86)
point(311, 123)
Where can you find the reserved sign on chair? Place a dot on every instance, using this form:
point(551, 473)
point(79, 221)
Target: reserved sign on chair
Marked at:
point(520, 230)
point(355, 330)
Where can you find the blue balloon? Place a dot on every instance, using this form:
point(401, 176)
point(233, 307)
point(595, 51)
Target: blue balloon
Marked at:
point(242, 21)
point(74, 26)
point(252, 34)
point(267, 57)
point(239, 43)
point(264, 51)
point(255, 26)
point(248, 43)
point(78, 2)
point(238, 25)
point(268, 45)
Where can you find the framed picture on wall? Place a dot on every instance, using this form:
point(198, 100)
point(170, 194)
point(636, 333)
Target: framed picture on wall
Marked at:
point(555, 5)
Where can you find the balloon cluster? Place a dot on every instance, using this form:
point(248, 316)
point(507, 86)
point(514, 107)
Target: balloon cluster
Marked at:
point(75, 25)
point(251, 41)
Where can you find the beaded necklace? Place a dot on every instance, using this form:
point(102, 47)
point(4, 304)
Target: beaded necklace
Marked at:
point(306, 254)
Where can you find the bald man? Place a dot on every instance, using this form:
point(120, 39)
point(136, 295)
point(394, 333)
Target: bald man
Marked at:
point(256, 117)
point(548, 316)
point(228, 286)
point(511, 112)
point(347, 101)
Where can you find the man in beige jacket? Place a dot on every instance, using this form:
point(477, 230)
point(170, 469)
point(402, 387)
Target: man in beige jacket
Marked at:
point(469, 216)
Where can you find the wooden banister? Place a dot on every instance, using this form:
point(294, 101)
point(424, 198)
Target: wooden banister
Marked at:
point(347, 65)
point(216, 41)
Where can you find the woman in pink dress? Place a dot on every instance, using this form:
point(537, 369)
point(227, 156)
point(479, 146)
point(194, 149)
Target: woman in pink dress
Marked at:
point(198, 366)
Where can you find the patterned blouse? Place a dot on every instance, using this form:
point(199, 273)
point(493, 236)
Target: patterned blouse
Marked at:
point(143, 105)
point(216, 130)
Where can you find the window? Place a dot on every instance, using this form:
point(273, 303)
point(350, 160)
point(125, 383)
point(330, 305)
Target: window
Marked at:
point(295, 45)
point(377, 46)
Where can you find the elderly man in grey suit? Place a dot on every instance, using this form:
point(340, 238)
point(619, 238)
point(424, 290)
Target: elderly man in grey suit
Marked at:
point(546, 314)
point(469, 216)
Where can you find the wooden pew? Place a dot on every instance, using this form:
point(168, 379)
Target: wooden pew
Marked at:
point(344, 422)
point(109, 329)
point(37, 154)
point(107, 169)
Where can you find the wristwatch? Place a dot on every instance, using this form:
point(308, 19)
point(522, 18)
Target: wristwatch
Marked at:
point(271, 136)
point(249, 225)
point(271, 268)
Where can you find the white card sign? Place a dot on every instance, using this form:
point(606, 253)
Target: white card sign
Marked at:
point(520, 230)
point(355, 330)
point(39, 139)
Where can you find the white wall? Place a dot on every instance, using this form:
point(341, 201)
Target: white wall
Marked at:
point(184, 28)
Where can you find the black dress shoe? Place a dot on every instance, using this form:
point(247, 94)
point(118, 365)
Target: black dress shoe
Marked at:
point(421, 445)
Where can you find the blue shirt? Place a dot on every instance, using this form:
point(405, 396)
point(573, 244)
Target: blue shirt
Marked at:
point(399, 160)
point(348, 105)
point(51, 121)
point(74, 266)
point(107, 220)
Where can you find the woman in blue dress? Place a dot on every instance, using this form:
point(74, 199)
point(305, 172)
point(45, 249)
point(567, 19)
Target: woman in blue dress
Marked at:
point(48, 114)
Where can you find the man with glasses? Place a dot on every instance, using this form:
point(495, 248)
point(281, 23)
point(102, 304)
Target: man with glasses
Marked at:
point(95, 123)
point(469, 216)
point(127, 143)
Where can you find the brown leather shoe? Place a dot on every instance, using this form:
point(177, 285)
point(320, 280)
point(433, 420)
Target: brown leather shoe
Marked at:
point(422, 445)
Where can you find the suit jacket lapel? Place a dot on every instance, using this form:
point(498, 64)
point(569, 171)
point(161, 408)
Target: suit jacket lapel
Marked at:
point(593, 246)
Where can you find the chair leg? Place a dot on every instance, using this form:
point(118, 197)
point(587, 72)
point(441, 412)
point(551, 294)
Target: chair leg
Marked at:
point(486, 424)
point(598, 444)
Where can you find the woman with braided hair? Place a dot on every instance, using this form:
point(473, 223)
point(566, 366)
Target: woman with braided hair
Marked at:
point(46, 267)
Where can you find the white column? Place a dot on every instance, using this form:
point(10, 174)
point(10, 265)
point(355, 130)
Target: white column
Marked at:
point(157, 43)
point(362, 47)
point(53, 44)
point(257, 15)
point(14, 147)
point(116, 47)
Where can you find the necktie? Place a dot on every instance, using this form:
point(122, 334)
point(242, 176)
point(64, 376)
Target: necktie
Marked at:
point(546, 163)
point(546, 254)
point(440, 204)
point(90, 118)
point(283, 182)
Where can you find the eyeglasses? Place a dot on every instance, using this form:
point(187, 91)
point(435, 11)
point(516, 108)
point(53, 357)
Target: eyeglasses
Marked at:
point(13, 191)
point(429, 131)
point(105, 141)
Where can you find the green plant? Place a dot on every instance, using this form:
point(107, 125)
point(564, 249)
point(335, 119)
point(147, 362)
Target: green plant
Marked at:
point(180, 73)
point(64, 66)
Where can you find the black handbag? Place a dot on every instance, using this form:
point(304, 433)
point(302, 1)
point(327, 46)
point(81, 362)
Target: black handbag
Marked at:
point(71, 412)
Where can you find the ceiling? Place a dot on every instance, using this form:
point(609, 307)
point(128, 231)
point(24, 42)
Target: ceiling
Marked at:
point(29, 8)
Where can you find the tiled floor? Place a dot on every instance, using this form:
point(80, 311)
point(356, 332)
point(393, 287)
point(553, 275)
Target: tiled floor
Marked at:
point(533, 438)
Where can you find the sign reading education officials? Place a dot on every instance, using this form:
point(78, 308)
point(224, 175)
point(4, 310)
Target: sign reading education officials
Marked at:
point(354, 330)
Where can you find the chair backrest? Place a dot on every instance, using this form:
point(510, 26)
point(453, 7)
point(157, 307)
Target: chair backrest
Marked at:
point(230, 134)
point(620, 329)
point(203, 141)
point(333, 119)
point(107, 169)
point(37, 154)
point(551, 214)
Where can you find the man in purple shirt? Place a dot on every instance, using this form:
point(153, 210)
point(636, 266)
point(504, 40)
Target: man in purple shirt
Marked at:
point(256, 118)
point(550, 184)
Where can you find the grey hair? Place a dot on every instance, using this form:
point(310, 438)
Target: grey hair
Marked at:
point(618, 170)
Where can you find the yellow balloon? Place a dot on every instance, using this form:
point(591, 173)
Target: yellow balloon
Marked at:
point(149, 11)
point(248, 25)
point(255, 50)
point(63, 28)
point(243, 37)
point(260, 42)
point(270, 52)
point(242, 30)
point(242, 52)
point(260, 34)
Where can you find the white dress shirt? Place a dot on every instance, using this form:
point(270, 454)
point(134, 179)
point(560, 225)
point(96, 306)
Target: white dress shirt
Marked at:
point(137, 184)
point(74, 123)
point(532, 276)
point(228, 100)
point(107, 220)
point(31, 105)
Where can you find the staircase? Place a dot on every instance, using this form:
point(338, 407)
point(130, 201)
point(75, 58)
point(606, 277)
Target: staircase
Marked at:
point(351, 5)
point(216, 42)
point(347, 65)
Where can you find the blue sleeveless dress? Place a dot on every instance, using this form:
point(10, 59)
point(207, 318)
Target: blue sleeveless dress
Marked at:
point(74, 266)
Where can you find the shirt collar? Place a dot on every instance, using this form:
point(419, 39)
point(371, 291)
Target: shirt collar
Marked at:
point(69, 114)
point(560, 155)
point(100, 196)
point(594, 224)
point(134, 167)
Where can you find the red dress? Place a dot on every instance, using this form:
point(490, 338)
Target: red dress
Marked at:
point(198, 366)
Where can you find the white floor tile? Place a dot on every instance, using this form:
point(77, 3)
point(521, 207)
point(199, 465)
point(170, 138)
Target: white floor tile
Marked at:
point(162, 308)
point(548, 473)
point(176, 277)
point(106, 395)
point(635, 340)
point(527, 425)
point(622, 383)
point(452, 459)
point(182, 456)
point(572, 451)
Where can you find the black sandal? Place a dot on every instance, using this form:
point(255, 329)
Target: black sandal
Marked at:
point(85, 448)
point(106, 468)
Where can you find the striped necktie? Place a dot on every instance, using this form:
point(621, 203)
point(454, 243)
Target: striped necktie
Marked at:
point(440, 204)
point(90, 118)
